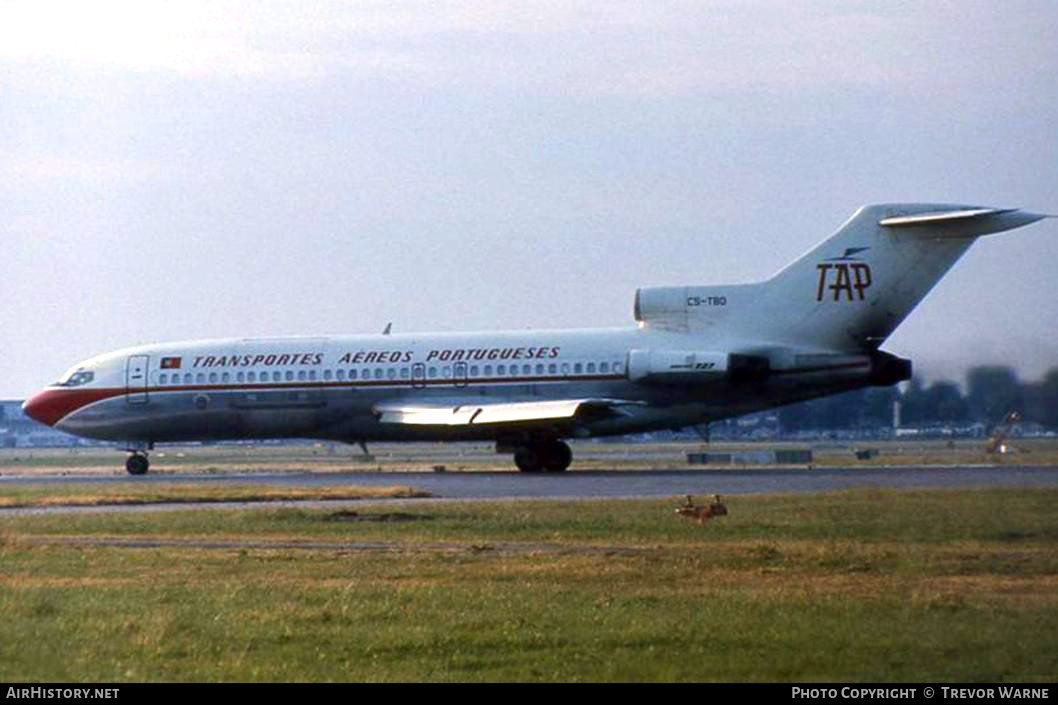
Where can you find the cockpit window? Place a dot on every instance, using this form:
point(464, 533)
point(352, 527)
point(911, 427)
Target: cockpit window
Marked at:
point(75, 378)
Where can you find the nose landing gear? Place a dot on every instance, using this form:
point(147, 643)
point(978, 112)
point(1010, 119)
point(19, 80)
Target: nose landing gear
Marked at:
point(137, 463)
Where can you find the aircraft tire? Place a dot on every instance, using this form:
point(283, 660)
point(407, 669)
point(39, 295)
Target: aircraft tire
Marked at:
point(557, 456)
point(529, 459)
point(137, 464)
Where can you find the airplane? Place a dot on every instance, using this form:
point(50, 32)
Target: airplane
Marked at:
point(697, 354)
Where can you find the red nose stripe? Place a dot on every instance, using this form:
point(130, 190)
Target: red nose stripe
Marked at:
point(52, 405)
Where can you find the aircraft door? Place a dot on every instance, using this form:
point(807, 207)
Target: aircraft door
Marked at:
point(459, 374)
point(136, 379)
point(418, 375)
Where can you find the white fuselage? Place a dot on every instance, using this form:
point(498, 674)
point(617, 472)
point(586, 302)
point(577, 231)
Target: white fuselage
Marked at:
point(333, 387)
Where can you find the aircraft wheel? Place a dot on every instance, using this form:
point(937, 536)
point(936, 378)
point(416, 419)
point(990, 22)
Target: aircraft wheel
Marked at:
point(529, 459)
point(137, 464)
point(557, 456)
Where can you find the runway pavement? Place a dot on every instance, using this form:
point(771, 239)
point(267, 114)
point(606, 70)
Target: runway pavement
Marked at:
point(591, 484)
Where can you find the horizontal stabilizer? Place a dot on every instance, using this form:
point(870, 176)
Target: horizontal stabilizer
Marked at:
point(959, 221)
point(494, 412)
point(939, 217)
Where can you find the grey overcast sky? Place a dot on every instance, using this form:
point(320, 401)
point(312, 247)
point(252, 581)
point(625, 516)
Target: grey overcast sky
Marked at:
point(178, 170)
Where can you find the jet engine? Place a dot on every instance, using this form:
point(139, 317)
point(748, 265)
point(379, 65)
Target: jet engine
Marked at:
point(676, 366)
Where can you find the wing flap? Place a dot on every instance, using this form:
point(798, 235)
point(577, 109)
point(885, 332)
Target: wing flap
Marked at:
point(494, 412)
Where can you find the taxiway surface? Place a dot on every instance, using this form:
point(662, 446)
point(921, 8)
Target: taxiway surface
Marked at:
point(594, 484)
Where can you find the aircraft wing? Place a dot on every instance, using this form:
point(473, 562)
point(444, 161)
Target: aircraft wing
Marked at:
point(492, 412)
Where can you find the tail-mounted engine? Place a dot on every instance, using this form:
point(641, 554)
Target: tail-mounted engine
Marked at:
point(703, 366)
point(676, 366)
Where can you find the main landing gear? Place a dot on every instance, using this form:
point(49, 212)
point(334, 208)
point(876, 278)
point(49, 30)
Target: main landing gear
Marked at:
point(551, 455)
point(137, 463)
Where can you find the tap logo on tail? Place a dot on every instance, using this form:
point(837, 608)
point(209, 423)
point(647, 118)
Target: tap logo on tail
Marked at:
point(843, 278)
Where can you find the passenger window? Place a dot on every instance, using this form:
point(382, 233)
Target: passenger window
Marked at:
point(565, 368)
point(488, 371)
point(187, 378)
point(501, 370)
point(539, 369)
point(340, 374)
point(200, 377)
point(290, 375)
point(578, 368)
point(603, 367)
point(391, 373)
point(379, 373)
point(433, 372)
point(447, 372)
point(251, 376)
point(473, 370)
point(404, 374)
point(277, 376)
point(163, 378)
point(617, 368)
point(225, 377)
point(591, 368)
point(527, 370)
point(326, 375)
point(240, 376)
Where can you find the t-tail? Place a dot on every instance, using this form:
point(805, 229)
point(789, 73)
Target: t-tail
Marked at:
point(849, 293)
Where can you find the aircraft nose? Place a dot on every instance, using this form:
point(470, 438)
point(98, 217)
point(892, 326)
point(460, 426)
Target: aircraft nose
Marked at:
point(42, 408)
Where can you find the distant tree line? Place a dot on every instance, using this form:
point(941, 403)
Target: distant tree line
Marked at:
point(991, 392)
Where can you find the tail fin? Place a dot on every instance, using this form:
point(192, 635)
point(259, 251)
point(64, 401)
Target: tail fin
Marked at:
point(849, 293)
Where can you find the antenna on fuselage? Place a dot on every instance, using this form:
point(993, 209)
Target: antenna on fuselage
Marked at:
point(388, 328)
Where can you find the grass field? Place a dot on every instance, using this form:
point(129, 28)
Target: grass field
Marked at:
point(867, 585)
point(131, 493)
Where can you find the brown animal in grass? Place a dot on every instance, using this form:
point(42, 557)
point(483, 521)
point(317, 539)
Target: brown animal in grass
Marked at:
point(702, 514)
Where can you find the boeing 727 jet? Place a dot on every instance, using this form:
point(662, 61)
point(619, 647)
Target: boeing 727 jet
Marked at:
point(696, 354)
